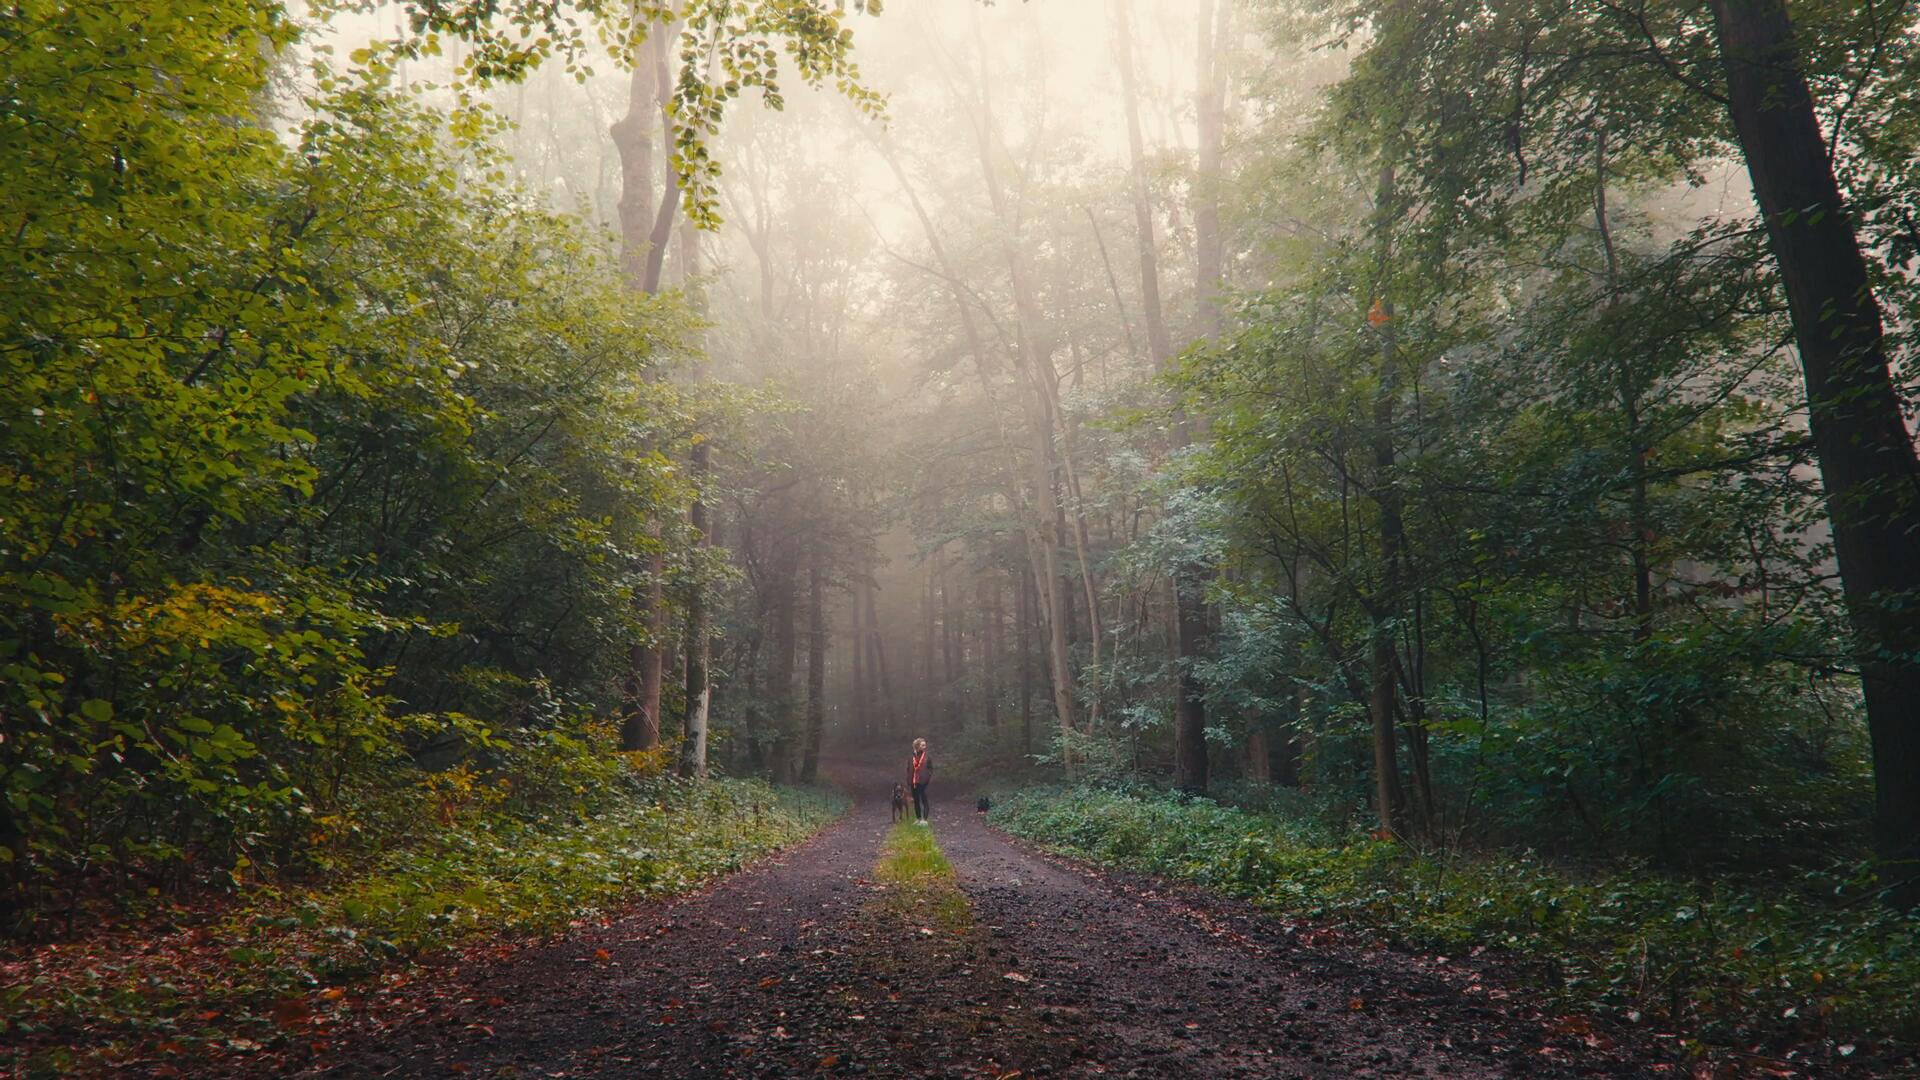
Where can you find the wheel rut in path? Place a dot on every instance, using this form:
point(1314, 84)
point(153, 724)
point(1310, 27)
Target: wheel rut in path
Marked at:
point(799, 967)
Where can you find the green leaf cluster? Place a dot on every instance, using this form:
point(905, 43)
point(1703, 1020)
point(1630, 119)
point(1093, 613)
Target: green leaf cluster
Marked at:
point(316, 442)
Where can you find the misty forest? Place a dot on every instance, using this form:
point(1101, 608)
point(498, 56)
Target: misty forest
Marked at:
point(1397, 522)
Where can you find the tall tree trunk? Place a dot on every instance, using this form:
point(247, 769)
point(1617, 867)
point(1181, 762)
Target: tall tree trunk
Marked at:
point(699, 634)
point(1627, 388)
point(785, 723)
point(1191, 619)
point(1024, 642)
point(1259, 755)
point(750, 715)
point(643, 251)
point(816, 670)
point(633, 140)
point(877, 665)
point(699, 684)
point(1867, 461)
point(857, 634)
point(1053, 607)
point(929, 628)
point(1082, 547)
point(950, 673)
point(993, 646)
point(1159, 341)
point(1215, 19)
point(1383, 698)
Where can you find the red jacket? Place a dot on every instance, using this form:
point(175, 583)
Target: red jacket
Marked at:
point(920, 769)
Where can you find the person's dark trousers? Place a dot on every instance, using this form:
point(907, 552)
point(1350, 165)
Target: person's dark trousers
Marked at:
point(920, 802)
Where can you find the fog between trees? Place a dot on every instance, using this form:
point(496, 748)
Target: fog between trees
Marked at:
point(1406, 405)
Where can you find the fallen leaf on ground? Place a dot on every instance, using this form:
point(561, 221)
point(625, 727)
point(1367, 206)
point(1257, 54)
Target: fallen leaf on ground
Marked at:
point(292, 1012)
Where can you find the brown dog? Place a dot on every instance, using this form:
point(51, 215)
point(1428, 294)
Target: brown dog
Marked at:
point(899, 802)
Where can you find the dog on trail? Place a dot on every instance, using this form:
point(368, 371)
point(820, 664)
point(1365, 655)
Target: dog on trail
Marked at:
point(899, 801)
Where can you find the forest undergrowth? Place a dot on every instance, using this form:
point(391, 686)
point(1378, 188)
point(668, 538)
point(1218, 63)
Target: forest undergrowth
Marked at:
point(269, 965)
point(1801, 963)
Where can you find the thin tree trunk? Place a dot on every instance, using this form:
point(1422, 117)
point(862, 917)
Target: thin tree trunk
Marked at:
point(1382, 700)
point(857, 634)
point(1024, 642)
point(1628, 390)
point(1259, 753)
point(1054, 608)
point(877, 664)
point(1090, 589)
point(994, 644)
point(1158, 339)
point(929, 678)
point(1113, 283)
point(698, 686)
point(785, 645)
point(949, 645)
point(1215, 19)
point(750, 715)
point(1190, 616)
point(816, 670)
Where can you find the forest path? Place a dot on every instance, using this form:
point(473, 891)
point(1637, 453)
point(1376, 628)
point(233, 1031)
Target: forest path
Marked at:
point(799, 966)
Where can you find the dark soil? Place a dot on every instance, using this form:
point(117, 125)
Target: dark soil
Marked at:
point(801, 967)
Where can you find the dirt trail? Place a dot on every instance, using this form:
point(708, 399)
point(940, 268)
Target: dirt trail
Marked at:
point(798, 967)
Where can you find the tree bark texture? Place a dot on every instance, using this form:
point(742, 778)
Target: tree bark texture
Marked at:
point(1867, 460)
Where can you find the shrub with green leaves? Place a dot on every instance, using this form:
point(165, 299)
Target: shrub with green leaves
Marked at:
point(286, 508)
point(488, 869)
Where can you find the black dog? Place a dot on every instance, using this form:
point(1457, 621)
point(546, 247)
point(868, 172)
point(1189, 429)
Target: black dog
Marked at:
point(899, 802)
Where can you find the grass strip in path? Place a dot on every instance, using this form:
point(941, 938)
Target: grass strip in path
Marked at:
point(950, 1000)
point(920, 880)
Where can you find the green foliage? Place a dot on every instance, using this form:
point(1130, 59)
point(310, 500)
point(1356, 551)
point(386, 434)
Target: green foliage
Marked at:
point(1607, 605)
point(535, 874)
point(289, 507)
point(727, 48)
point(1780, 960)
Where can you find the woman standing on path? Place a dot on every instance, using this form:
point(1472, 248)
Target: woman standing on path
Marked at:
point(919, 771)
